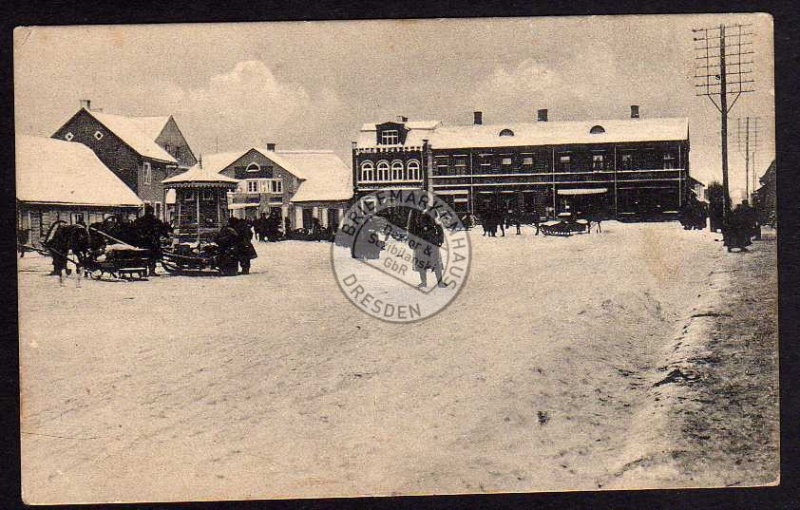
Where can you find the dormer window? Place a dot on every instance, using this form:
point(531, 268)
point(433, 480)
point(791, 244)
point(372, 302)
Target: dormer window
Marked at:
point(69, 136)
point(98, 135)
point(390, 137)
point(506, 132)
point(596, 130)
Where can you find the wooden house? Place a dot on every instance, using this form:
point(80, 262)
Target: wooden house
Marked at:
point(141, 151)
point(301, 185)
point(57, 180)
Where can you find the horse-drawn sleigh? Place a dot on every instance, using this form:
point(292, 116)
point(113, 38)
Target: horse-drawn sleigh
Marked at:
point(566, 225)
point(94, 252)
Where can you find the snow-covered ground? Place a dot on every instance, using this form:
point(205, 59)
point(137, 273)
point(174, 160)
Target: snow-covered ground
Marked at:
point(273, 385)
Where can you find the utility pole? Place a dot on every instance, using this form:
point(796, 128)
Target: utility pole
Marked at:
point(749, 147)
point(720, 72)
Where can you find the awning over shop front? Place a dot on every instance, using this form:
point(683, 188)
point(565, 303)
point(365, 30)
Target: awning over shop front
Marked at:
point(233, 207)
point(582, 191)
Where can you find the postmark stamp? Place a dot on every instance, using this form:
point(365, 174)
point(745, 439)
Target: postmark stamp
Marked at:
point(401, 255)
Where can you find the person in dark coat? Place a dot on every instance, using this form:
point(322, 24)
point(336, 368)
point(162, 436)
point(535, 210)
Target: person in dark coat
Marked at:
point(244, 246)
point(287, 228)
point(739, 229)
point(260, 227)
point(150, 230)
point(750, 220)
point(273, 225)
point(427, 255)
point(227, 248)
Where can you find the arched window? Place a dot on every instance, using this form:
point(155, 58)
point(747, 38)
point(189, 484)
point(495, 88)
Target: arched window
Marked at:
point(506, 132)
point(397, 170)
point(253, 167)
point(383, 170)
point(596, 130)
point(413, 170)
point(367, 171)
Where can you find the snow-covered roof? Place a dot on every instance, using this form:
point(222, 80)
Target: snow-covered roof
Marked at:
point(538, 133)
point(324, 176)
point(150, 126)
point(200, 175)
point(220, 161)
point(136, 133)
point(418, 131)
point(55, 171)
point(562, 133)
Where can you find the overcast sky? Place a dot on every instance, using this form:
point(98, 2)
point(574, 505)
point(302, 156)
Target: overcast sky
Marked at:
point(311, 85)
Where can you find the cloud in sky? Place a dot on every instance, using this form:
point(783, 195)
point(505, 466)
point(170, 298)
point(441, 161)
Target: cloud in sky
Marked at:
point(247, 104)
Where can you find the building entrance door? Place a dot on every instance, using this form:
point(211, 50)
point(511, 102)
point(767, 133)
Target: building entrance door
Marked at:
point(308, 216)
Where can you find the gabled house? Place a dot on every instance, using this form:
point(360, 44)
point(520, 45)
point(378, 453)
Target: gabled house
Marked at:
point(57, 180)
point(301, 185)
point(141, 151)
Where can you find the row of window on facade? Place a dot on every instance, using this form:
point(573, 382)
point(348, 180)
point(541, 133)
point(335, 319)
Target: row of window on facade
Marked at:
point(394, 171)
point(260, 186)
point(508, 163)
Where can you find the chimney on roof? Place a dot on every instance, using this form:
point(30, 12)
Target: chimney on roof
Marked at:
point(271, 147)
point(477, 118)
point(541, 115)
point(86, 103)
point(402, 119)
point(634, 111)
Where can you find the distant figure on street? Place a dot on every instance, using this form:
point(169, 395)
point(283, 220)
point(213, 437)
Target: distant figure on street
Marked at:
point(244, 245)
point(517, 217)
point(739, 229)
point(751, 219)
point(287, 228)
point(150, 230)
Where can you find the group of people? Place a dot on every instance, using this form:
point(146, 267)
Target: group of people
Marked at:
point(693, 215)
point(268, 228)
point(492, 220)
point(235, 247)
point(741, 227)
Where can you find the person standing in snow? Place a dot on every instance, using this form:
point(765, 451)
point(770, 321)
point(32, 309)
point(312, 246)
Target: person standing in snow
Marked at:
point(149, 231)
point(244, 246)
point(427, 255)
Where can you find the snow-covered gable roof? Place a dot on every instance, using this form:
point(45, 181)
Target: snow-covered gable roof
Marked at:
point(418, 131)
point(199, 175)
point(150, 126)
point(221, 160)
point(136, 133)
point(55, 171)
point(323, 175)
point(562, 133)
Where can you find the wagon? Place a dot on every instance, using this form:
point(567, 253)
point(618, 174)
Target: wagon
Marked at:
point(120, 261)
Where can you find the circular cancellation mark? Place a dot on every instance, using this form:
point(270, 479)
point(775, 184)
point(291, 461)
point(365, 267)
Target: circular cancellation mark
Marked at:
point(401, 255)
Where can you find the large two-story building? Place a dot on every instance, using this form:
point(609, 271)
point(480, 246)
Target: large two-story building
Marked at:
point(630, 167)
point(141, 151)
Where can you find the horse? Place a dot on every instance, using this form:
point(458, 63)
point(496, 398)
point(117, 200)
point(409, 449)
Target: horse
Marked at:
point(142, 233)
point(63, 239)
